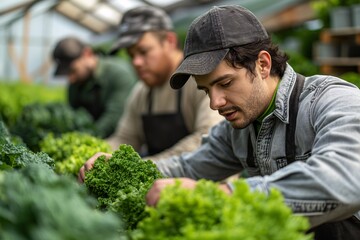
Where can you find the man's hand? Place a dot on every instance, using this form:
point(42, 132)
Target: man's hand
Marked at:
point(89, 164)
point(153, 195)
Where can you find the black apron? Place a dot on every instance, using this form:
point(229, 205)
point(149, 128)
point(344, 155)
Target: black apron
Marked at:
point(162, 131)
point(348, 229)
point(92, 103)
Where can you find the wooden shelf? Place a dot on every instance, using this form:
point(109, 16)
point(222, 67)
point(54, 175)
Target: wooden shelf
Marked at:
point(343, 46)
point(339, 61)
point(340, 35)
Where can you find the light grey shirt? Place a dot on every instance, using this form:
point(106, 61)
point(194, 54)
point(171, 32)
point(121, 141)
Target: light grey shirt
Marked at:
point(198, 117)
point(324, 182)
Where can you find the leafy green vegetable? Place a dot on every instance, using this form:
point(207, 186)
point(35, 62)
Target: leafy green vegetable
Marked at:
point(6, 137)
point(121, 183)
point(4, 133)
point(72, 149)
point(15, 95)
point(13, 155)
point(37, 204)
point(37, 120)
point(18, 156)
point(207, 213)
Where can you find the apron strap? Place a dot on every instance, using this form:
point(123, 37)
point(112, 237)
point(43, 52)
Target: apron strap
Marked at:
point(290, 128)
point(250, 160)
point(150, 101)
point(293, 111)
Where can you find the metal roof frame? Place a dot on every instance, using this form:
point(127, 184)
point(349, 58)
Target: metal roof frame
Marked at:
point(103, 16)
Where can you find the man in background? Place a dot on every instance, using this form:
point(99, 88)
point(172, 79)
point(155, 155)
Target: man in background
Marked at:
point(96, 83)
point(158, 121)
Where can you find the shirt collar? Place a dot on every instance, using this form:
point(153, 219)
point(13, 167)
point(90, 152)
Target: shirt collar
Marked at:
point(285, 88)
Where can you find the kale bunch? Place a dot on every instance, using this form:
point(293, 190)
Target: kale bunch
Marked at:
point(71, 150)
point(121, 183)
point(37, 120)
point(13, 155)
point(4, 132)
point(37, 204)
point(207, 213)
point(6, 137)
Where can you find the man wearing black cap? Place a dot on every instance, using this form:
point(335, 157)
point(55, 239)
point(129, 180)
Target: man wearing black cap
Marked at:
point(98, 84)
point(157, 118)
point(300, 135)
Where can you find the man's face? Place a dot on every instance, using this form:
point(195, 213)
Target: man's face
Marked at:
point(151, 59)
point(235, 93)
point(79, 70)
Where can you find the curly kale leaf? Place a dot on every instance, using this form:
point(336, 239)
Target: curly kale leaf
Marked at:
point(71, 150)
point(18, 156)
point(207, 213)
point(121, 183)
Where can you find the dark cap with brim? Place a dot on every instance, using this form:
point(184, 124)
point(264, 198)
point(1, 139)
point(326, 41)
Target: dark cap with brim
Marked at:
point(125, 42)
point(65, 52)
point(210, 37)
point(197, 64)
point(136, 22)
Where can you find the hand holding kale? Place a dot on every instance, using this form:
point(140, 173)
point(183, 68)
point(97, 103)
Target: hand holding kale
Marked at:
point(121, 183)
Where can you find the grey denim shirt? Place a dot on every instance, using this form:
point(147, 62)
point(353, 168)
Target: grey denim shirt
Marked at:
point(324, 182)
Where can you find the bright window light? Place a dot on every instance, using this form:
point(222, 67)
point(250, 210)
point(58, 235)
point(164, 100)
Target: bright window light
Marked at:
point(87, 4)
point(107, 13)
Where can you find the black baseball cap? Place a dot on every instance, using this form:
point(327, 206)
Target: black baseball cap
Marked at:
point(136, 22)
point(66, 50)
point(211, 35)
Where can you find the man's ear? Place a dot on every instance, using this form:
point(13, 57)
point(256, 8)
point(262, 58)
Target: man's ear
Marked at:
point(171, 37)
point(264, 62)
point(87, 51)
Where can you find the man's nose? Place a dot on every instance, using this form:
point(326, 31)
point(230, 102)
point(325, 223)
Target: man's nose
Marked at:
point(137, 61)
point(217, 100)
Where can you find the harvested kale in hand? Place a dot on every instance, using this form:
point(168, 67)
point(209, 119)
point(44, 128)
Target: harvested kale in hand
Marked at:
point(121, 183)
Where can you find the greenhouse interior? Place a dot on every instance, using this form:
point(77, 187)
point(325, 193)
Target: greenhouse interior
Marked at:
point(87, 139)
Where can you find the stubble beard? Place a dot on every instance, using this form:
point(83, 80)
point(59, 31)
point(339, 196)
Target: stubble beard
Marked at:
point(252, 110)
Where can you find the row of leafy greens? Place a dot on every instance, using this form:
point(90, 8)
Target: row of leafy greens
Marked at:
point(36, 203)
point(37, 120)
point(39, 201)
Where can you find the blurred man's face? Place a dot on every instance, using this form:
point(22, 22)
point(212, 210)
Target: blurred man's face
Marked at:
point(151, 58)
point(79, 70)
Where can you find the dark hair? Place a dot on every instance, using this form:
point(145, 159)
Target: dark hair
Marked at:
point(161, 36)
point(246, 56)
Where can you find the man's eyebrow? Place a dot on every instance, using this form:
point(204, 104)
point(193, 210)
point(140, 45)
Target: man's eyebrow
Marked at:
point(216, 80)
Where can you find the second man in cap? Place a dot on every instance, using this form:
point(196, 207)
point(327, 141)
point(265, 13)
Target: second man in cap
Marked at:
point(165, 121)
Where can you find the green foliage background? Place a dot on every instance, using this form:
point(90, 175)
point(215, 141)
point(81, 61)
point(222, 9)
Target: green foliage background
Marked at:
point(15, 95)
